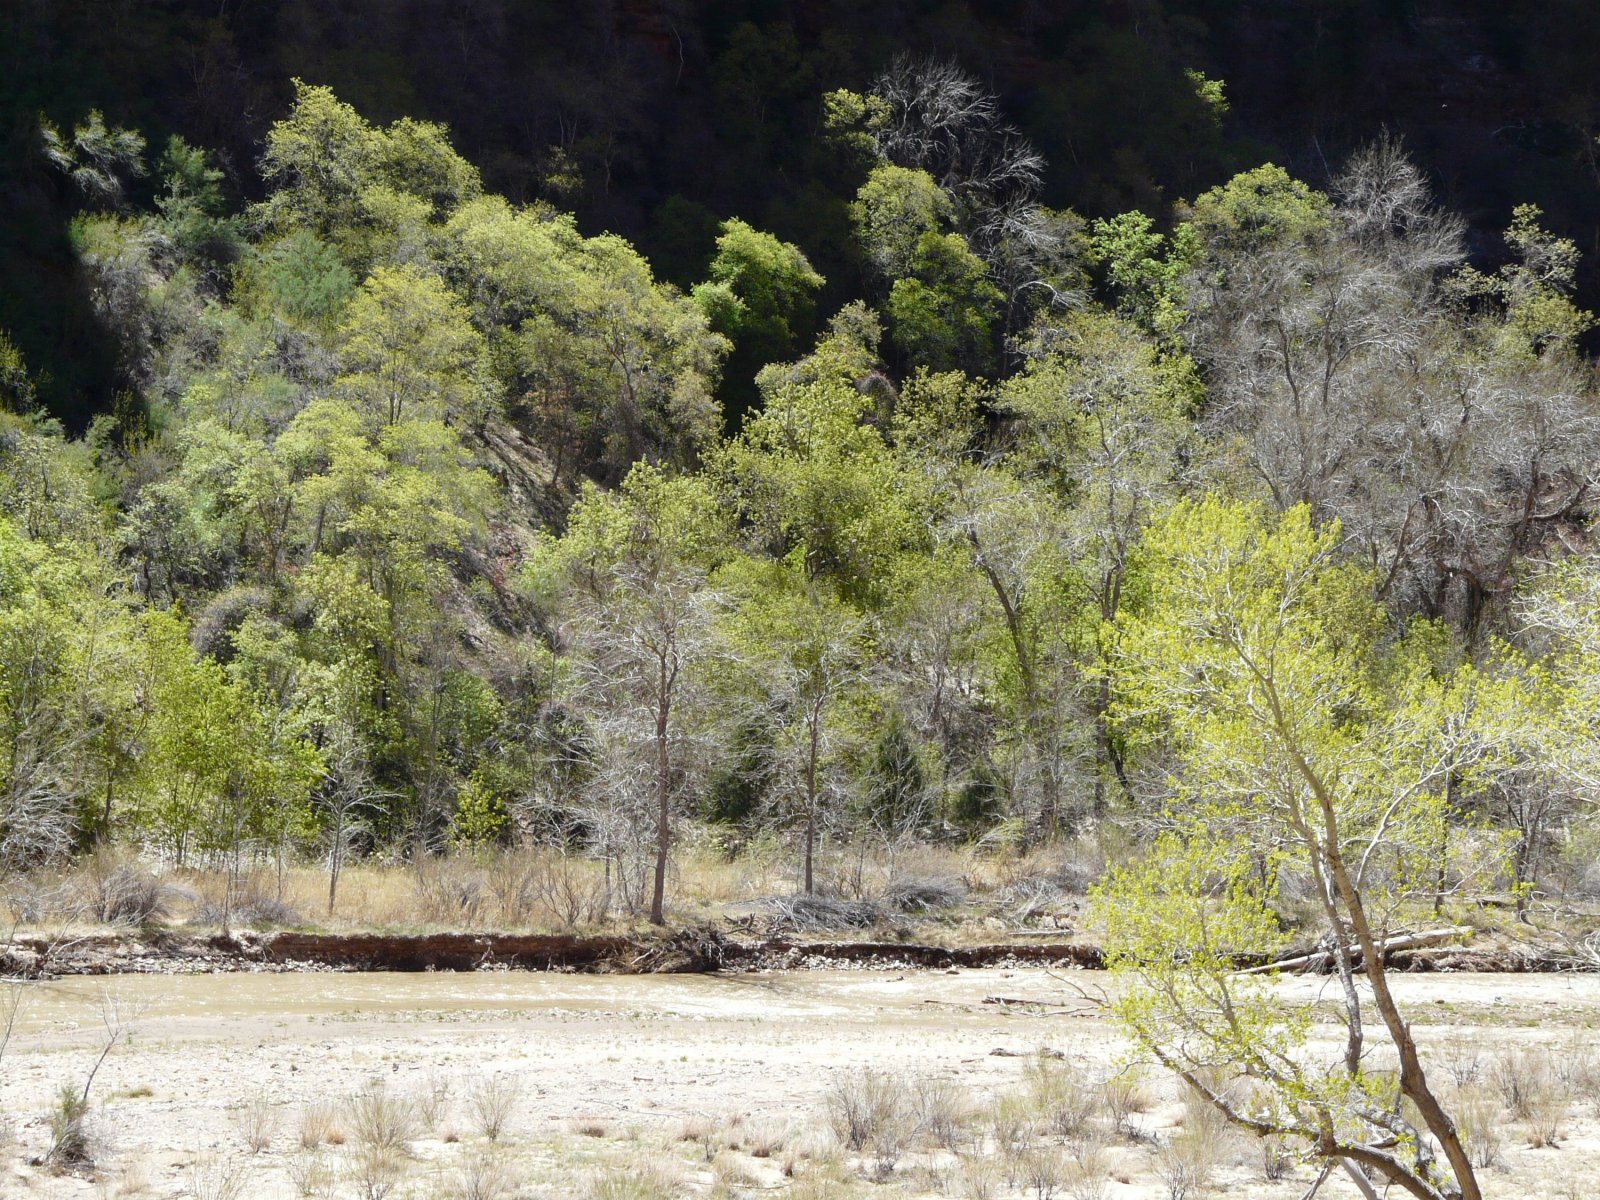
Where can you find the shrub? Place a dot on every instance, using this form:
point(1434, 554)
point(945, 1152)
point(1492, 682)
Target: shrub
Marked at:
point(381, 1121)
point(318, 1124)
point(69, 1139)
point(376, 1171)
point(256, 1121)
point(492, 1101)
point(1184, 1164)
point(212, 1178)
point(940, 1111)
point(1064, 1100)
point(482, 1175)
point(1479, 1123)
point(865, 1106)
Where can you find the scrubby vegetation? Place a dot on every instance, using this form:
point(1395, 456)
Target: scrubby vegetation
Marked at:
point(1252, 551)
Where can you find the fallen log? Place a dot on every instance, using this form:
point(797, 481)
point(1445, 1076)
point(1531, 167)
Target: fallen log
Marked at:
point(1400, 941)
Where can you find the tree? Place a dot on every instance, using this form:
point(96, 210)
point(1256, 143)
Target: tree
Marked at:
point(408, 351)
point(1310, 744)
point(607, 361)
point(632, 568)
point(772, 288)
point(1102, 421)
point(811, 472)
point(801, 654)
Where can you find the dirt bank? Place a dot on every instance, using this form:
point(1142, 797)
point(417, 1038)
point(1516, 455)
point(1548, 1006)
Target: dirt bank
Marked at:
point(683, 951)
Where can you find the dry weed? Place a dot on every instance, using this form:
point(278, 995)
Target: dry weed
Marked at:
point(1184, 1165)
point(382, 1121)
point(212, 1178)
point(255, 1119)
point(1064, 1100)
point(483, 1174)
point(312, 1175)
point(492, 1101)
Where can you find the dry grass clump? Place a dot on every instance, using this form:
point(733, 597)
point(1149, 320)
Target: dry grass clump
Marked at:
point(256, 1121)
point(1042, 1170)
point(766, 1140)
point(639, 1181)
point(212, 1178)
point(1124, 1095)
point(871, 1114)
point(482, 1174)
point(1012, 1123)
point(382, 1121)
point(1088, 1175)
point(1478, 1121)
point(376, 1171)
point(728, 1172)
point(865, 1106)
point(1064, 1098)
point(978, 1177)
point(312, 1175)
point(319, 1124)
point(1461, 1060)
point(492, 1101)
point(591, 1127)
point(1184, 1164)
point(941, 1110)
point(1533, 1091)
point(432, 1100)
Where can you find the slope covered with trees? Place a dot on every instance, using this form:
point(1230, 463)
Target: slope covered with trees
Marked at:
point(1258, 542)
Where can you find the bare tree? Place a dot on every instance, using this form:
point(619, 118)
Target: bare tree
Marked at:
point(1349, 370)
point(934, 116)
point(349, 798)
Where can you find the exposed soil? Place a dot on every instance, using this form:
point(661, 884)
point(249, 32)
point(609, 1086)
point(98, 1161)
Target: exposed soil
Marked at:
point(684, 951)
point(611, 1068)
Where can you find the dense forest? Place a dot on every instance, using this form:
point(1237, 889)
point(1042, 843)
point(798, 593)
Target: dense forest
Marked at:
point(415, 514)
point(472, 428)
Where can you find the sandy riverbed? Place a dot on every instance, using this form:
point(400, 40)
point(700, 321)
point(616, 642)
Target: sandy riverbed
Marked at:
point(613, 1067)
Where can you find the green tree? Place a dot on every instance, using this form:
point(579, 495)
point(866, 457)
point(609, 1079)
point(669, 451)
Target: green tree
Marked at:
point(801, 655)
point(761, 295)
point(409, 351)
point(1308, 744)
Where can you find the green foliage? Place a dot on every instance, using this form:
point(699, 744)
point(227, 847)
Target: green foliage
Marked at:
point(1308, 740)
point(772, 287)
point(816, 481)
point(409, 352)
point(16, 385)
point(895, 208)
point(943, 314)
point(300, 277)
point(1259, 210)
point(360, 188)
point(1535, 289)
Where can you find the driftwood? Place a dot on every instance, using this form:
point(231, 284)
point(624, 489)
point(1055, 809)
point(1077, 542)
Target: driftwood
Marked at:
point(1400, 941)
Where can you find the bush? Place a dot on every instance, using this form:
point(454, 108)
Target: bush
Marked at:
point(1063, 1098)
point(1185, 1163)
point(69, 1139)
point(318, 1124)
point(212, 1178)
point(119, 893)
point(492, 1101)
point(915, 894)
point(381, 1121)
point(257, 1121)
point(865, 1107)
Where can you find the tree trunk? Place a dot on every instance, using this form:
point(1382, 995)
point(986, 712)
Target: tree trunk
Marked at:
point(1413, 1080)
point(811, 797)
point(663, 798)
